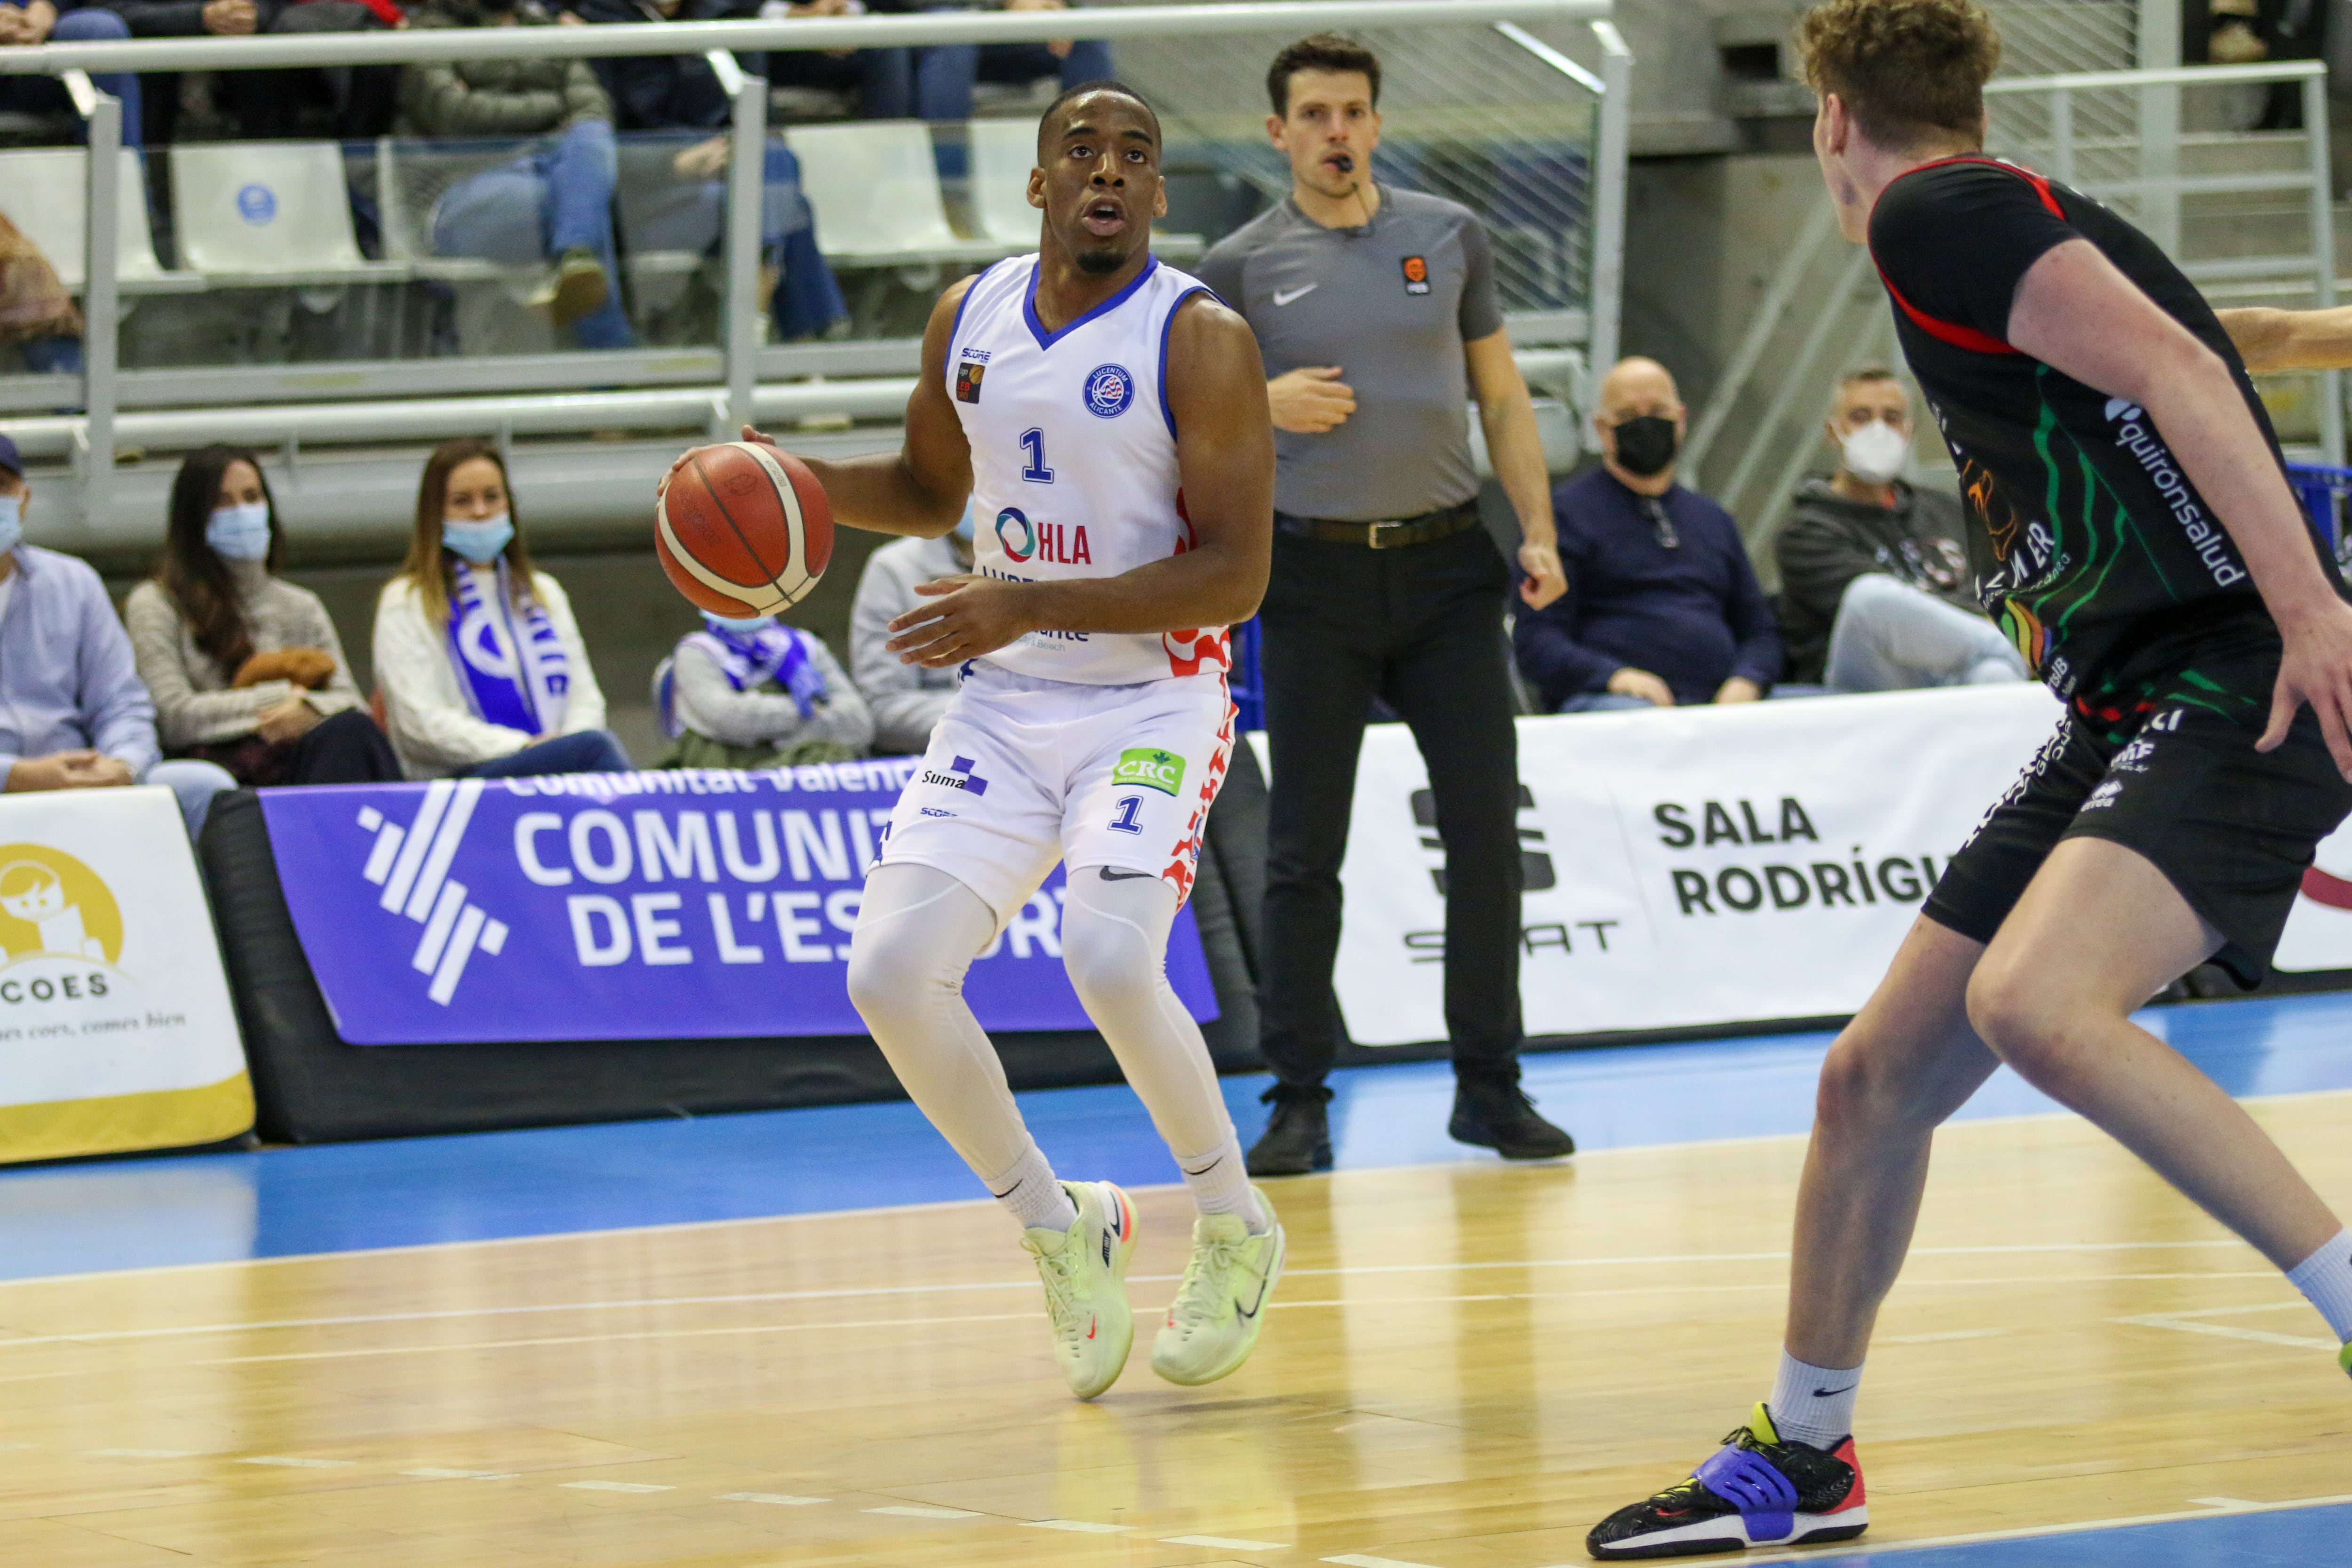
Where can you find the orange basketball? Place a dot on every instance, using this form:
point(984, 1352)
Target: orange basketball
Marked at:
point(744, 530)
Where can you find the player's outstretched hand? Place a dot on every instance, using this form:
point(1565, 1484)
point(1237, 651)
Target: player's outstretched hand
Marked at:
point(968, 615)
point(687, 457)
point(2316, 667)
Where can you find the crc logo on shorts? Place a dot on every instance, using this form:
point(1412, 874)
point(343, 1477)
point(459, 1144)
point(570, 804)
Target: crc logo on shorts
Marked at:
point(53, 907)
point(959, 775)
point(1151, 768)
point(968, 381)
point(1012, 524)
point(1110, 389)
point(1416, 275)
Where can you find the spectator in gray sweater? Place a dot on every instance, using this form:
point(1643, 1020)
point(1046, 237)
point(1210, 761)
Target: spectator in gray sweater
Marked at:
point(1875, 590)
point(753, 693)
point(907, 698)
point(554, 206)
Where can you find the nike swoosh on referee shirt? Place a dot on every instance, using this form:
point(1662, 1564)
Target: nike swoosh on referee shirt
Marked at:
point(1281, 298)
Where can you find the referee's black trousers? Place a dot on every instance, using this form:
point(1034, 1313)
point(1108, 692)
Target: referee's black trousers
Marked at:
point(1421, 628)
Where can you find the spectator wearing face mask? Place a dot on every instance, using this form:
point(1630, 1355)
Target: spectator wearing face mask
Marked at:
point(906, 699)
point(1663, 608)
point(72, 712)
point(245, 668)
point(479, 662)
point(1875, 590)
point(755, 693)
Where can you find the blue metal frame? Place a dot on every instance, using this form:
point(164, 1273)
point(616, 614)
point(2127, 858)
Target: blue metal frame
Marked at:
point(1248, 687)
point(2323, 491)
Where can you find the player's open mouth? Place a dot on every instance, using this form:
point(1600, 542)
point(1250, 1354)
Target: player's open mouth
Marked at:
point(1103, 218)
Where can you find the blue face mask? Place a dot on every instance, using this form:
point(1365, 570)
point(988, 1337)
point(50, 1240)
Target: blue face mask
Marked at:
point(12, 523)
point(743, 627)
point(239, 532)
point(478, 543)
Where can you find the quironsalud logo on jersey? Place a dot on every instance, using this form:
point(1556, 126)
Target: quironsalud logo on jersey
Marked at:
point(1110, 389)
point(410, 861)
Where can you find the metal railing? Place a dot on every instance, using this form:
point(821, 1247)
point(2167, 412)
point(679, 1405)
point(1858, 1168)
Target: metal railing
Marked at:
point(684, 390)
point(1822, 312)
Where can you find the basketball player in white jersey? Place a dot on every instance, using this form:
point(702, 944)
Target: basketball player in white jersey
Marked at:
point(1106, 417)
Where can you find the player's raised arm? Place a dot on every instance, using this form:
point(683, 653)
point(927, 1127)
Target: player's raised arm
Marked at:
point(921, 488)
point(2077, 313)
point(1225, 448)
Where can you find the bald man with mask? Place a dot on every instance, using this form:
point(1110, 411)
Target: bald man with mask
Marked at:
point(1663, 608)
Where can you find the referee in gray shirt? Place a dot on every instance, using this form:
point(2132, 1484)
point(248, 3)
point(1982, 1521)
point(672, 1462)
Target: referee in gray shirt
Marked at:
point(1375, 309)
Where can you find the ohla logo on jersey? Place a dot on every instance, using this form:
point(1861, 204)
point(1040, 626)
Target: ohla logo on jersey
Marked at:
point(59, 926)
point(1110, 389)
point(410, 861)
point(1014, 519)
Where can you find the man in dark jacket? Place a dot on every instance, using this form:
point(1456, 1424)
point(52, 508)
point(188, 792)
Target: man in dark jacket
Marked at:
point(1875, 590)
point(554, 205)
point(1663, 608)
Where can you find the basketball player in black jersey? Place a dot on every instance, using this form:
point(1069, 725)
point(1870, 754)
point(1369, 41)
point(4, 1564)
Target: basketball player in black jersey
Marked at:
point(2133, 531)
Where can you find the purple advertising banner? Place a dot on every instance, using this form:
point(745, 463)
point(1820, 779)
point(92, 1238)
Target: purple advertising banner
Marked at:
point(690, 903)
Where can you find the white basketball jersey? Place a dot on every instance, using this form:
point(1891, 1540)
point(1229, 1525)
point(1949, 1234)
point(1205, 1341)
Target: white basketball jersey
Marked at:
point(1073, 460)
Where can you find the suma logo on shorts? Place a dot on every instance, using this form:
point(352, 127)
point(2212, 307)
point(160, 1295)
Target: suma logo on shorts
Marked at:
point(959, 775)
point(1151, 768)
point(1110, 389)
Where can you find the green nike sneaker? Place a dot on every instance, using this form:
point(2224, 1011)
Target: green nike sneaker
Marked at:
point(1213, 1322)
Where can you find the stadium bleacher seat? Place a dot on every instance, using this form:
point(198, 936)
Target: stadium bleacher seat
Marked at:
point(45, 193)
point(876, 191)
point(269, 213)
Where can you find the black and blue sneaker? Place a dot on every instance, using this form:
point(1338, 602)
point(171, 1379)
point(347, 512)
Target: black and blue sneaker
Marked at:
point(1755, 1491)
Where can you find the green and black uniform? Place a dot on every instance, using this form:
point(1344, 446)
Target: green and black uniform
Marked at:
point(2110, 573)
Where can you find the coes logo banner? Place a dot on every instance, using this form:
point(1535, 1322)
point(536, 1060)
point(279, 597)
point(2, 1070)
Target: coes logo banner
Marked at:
point(678, 904)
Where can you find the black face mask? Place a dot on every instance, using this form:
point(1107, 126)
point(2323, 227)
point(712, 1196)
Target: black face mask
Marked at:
point(1645, 444)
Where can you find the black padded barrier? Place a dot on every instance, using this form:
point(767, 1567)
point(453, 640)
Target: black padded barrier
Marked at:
point(313, 1087)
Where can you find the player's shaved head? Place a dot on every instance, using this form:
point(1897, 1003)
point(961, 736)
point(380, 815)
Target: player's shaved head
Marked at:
point(1071, 112)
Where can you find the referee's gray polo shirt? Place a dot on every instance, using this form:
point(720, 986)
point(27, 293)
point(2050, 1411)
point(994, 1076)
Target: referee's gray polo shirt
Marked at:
point(1391, 304)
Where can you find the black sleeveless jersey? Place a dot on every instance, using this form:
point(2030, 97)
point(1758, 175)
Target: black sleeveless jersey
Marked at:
point(2092, 548)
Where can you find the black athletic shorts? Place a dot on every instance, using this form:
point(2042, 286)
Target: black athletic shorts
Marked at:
point(2231, 828)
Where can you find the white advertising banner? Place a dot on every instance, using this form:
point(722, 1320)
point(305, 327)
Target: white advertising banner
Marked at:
point(116, 1029)
point(1693, 866)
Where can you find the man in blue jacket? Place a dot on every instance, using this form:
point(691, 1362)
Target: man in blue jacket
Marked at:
point(1663, 608)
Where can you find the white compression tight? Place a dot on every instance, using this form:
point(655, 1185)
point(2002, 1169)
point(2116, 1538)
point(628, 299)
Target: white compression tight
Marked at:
point(919, 929)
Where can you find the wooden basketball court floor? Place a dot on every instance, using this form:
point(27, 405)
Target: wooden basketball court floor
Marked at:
point(1466, 1365)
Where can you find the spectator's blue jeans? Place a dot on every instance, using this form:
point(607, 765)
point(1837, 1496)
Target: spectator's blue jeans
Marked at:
point(192, 782)
point(46, 95)
point(945, 73)
point(587, 751)
point(541, 206)
point(1892, 637)
point(807, 299)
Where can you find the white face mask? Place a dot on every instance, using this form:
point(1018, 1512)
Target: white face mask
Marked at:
point(1877, 453)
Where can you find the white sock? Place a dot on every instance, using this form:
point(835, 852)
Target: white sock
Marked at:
point(1813, 1405)
point(2325, 1279)
point(1221, 1184)
point(1031, 1194)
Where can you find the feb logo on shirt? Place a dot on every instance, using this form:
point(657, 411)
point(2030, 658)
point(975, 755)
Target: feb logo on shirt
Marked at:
point(1110, 389)
point(1416, 275)
point(968, 382)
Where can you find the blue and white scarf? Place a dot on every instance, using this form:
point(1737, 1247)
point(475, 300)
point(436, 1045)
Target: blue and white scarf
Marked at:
point(774, 652)
point(510, 664)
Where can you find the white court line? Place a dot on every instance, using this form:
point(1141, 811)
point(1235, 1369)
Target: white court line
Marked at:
point(615, 1487)
point(1077, 1526)
point(432, 1473)
point(298, 1464)
point(781, 1499)
point(129, 1453)
point(1227, 1541)
point(908, 1511)
point(2182, 1323)
point(1350, 1271)
point(2223, 1502)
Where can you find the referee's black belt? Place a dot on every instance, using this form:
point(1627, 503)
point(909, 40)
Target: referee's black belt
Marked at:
point(1425, 529)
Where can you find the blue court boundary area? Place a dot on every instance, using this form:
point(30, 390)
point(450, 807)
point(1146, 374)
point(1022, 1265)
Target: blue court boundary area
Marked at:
point(276, 1203)
point(2287, 1538)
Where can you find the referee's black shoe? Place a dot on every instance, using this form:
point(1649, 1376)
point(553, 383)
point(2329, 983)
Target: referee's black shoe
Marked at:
point(1496, 1114)
point(1297, 1139)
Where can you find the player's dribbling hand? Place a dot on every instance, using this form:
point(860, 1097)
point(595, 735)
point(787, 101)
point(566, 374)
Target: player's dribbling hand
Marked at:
point(687, 457)
point(2315, 667)
point(968, 615)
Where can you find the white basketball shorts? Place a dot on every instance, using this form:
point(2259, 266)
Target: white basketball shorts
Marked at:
point(1023, 771)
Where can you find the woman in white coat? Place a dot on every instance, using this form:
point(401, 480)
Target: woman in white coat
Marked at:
point(479, 659)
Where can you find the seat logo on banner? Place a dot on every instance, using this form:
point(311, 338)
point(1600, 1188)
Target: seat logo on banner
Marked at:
point(410, 861)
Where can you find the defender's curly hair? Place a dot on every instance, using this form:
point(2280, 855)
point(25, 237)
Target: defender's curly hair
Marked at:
point(1909, 72)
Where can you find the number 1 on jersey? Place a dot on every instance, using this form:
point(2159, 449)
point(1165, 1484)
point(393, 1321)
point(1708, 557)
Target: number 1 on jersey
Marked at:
point(1122, 820)
point(1032, 449)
